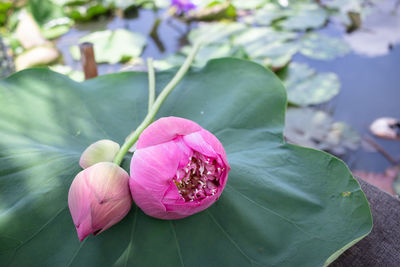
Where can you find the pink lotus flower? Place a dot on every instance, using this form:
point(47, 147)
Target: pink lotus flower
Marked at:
point(99, 198)
point(178, 169)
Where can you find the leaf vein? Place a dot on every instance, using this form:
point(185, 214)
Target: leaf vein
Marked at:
point(5, 173)
point(178, 248)
point(275, 213)
point(230, 239)
point(76, 252)
point(41, 228)
point(131, 237)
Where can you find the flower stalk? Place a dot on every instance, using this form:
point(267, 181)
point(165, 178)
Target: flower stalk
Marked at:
point(131, 140)
point(152, 83)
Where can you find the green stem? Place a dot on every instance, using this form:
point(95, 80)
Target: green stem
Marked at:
point(152, 83)
point(156, 106)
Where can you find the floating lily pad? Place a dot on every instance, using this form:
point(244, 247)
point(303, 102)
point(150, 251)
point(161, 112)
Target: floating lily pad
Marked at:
point(88, 10)
point(206, 3)
point(45, 10)
point(217, 32)
point(345, 6)
point(307, 87)
point(75, 75)
point(123, 4)
point(261, 44)
point(323, 47)
point(170, 61)
point(303, 16)
point(317, 129)
point(55, 31)
point(209, 52)
point(277, 55)
point(248, 4)
point(155, 3)
point(51, 17)
point(113, 46)
point(283, 205)
point(268, 46)
point(205, 53)
point(252, 38)
point(266, 15)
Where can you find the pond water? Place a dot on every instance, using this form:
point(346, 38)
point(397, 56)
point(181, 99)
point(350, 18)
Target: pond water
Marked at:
point(370, 85)
point(171, 32)
point(370, 89)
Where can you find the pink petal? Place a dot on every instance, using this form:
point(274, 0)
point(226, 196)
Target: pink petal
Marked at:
point(196, 142)
point(172, 196)
point(182, 210)
point(145, 200)
point(84, 228)
point(153, 167)
point(177, 208)
point(187, 152)
point(215, 144)
point(152, 170)
point(107, 181)
point(98, 198)
point(107, 214)
point(164, 130)
point(223, 179)
point(79, 199)
point(111, 199)
point(79, 206)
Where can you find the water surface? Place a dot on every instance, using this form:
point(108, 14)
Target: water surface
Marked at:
point(370, 85)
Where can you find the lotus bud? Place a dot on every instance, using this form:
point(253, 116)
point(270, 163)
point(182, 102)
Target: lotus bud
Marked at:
point(98, 198)
point(178, 169)
point(100, 151)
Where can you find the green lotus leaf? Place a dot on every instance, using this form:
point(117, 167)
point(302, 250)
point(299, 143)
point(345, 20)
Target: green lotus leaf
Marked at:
point(283, 205)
